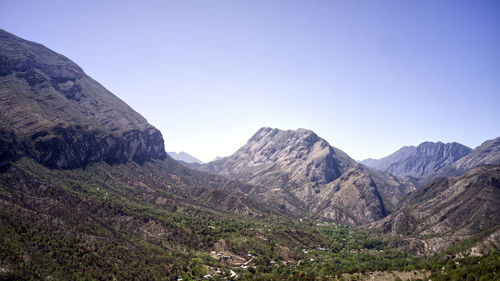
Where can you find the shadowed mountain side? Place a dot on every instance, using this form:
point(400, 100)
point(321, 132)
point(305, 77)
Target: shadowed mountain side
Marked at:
point(488, 153)
point(53, 112)
point(446, 211)
point(420, 161)
point(361, 195)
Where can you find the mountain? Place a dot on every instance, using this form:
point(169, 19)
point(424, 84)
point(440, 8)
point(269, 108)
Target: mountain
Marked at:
point(361, 195)
point(51, 111)
point(87, 192)
point(488, 153)
point(447, 211)
point(420, 161)
point(284, 159)
point(183, 156)
point(302, 173)
point(289, 165)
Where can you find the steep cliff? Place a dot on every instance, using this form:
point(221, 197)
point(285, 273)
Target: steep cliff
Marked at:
point(53, 112)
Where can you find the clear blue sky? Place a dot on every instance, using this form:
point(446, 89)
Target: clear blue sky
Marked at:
point(367, 76)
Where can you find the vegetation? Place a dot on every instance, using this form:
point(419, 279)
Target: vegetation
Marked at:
point(102, 223)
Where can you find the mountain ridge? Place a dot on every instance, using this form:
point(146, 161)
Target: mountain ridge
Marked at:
point(488, 153)
point(184, 156)
point(446, 211)
point(419, 161)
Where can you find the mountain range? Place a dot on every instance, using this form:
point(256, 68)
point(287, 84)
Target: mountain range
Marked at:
point(185, 157)
point(419, 161)
point(87, 191)
point(305, 175)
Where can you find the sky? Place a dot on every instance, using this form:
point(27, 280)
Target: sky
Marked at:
point(367, 76)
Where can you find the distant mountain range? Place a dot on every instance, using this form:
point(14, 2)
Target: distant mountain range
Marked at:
point(488, 153)
point(430, 160)
point(303, 174)
point(185, 157)
point(419, 161)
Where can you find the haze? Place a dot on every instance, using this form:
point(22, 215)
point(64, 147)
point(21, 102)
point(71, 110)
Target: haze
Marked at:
point(368, 76)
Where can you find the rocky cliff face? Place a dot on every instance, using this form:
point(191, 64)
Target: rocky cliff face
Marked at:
point(445, 211)
point(420, 161)
point(488, 153)
point(53, 112)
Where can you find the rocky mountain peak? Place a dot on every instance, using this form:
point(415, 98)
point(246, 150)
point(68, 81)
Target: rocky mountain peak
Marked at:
point(299, 154)
point(300, 171)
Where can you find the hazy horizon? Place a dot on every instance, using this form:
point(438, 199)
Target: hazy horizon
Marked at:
point(368, 77)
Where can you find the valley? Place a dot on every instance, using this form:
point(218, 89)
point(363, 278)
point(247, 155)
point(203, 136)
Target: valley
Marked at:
point(88, 192)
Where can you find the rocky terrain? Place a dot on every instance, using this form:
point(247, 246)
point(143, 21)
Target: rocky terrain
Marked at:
point(87, 192)
point(446, 211)
point(302, 173)
point(53, 112)
point(419, 161)
point(283, 159)
point(185, 157)
point(488, 153)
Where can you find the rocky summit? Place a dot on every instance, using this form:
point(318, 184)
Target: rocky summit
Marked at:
point(289, 159)
point(50, 110)
point(419, 161)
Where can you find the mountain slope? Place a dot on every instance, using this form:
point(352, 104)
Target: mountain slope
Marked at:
point(185, 157)
point(88, 193)
point(446, 211)
point(420, 161)
point(289, 165)
point(302, 173)
point(285, 159)
point(361, 195)
point(50, 110)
